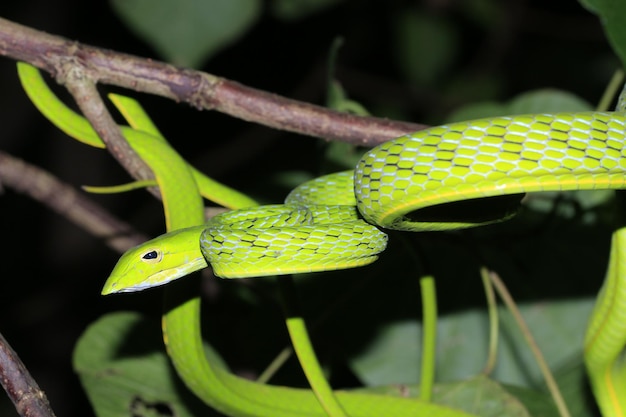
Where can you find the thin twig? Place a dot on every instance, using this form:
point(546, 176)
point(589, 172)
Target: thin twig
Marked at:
point(611, 91)
point(201, 90)
point(67, 201)
point(532, 344)
point(93, 108)
point(28, 398)
point(492, 308)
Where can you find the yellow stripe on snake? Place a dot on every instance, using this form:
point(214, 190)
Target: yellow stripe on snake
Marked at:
point(435, 179)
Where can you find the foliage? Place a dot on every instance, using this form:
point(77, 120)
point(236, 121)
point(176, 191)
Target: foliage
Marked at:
point(433, 63)
point(187, 33)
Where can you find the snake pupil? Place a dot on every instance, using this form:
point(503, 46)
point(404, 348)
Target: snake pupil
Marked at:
point(150, 255)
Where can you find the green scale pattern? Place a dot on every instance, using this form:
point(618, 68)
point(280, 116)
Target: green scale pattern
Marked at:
point(489, 157)
point(286, 239)
point(331, 189)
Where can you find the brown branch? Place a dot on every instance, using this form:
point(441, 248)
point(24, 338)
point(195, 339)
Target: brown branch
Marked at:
point(90, 103)
point(201, 90)
point(65, 200)
point(28, 398)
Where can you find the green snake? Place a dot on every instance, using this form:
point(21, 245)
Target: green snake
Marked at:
point(434, 179)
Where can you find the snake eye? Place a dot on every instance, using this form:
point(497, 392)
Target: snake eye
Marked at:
point(152, 256)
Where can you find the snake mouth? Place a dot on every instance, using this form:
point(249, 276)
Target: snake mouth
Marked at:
point(474, 211)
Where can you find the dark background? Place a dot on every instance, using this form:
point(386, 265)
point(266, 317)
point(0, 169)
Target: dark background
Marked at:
point(51, 272)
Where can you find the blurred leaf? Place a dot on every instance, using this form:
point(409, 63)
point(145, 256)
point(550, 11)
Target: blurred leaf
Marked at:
point(425, 46)
point(338, 100)
point(467, 87)
point(570, 203)
point(336, 97)
point(188, 32)
point(481, 396)
point(342, 156)
point(572, 383)
point(122, 365)
point(613, 17)
point(537, 101)
point(485, 12)
point(297, 9)
point(538, 404)
point(478, 111)
point(462, 346)
point(548, 101)
point(559, 329)
point(289, 180)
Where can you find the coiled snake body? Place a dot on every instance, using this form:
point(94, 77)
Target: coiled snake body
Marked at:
point(434, 179)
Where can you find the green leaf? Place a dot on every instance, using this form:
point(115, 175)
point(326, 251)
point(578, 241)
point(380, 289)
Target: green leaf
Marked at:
point(538, 404)
point(612, 14)
point(122, 365)
point(481, 396)
point(187, 32)
point(339, 100)
point(486, 13)
point(569, 204)
point(547, 100)
point(394, 356)
point(336, 97)
point(425, 47)
point(571, 381)
point(288, 180)
point(298, 9)
point(478, 110)
point(537, 101)
point(342, 155)
point(485, 397)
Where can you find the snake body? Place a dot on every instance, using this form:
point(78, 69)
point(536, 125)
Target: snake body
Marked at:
point(487, 158)
point(398, 185)
point(605, 338)
point(395, 186)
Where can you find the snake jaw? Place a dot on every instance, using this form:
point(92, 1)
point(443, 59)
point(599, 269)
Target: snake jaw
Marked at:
point(118, 282)
point(157, 262)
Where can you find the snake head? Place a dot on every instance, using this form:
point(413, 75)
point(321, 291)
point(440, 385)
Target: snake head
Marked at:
point(157, 262)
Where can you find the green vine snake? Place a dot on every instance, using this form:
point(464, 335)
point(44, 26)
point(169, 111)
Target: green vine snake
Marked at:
point(335, 222)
